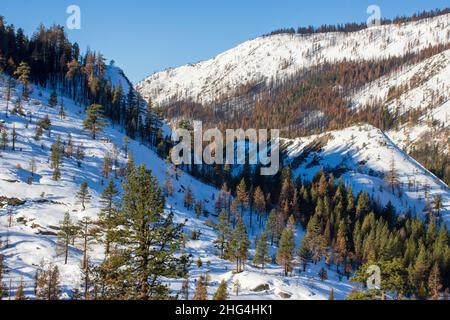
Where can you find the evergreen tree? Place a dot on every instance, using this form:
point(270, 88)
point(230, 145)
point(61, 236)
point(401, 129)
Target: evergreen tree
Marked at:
point(285, 253)
point(201, 290)
point(437, 205)
point(3, 289)
point(259, 203)
point(237, 287)
point(362, 205)
point(88, 232)
point(262, 252)
point(4, 138)
point(185, 289)
point(238, 246)
point(323, 274)
point(108, 216)
point(48, 283)
point(20, 292)
point(223, 227)
point(83, 195)
point(53, 101)
point(107, 166)
point(94, 122)
point(148, 240)
point(315, 239)
point(242, 196)
point(434, 282)
point(67, 231)
point(392, 177)
point(331, 296)
point(420, 272)
point(56, 159)
point(341, 244)
point(273, 227)
point(222, 292)
point(23, 75)
point(305, 254)
point(188, 198)
point(79, 155)
point(62, 112)
point(14, 137)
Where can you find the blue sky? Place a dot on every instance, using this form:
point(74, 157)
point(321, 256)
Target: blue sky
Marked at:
point(151, 35)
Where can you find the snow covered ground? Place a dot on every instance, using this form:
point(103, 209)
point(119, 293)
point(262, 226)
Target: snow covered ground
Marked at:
point(426, 90)
point(280, 56)
point(363, 155)
point(32, 235)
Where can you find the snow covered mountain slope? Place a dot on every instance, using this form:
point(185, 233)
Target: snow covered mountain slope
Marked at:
point(117, 76)
point(35, 210)
point(362, 156)
point(280, 56)
point(423, 89)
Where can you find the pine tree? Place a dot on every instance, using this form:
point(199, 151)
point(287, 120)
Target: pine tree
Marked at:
point(94, 122)
point(53, 101)
point(148, 240)
point(223, 227)
point(32, 166)
point(323, 274)
point(242, 196)
point(23, 74)
point(272, 227)
point(188, 198)
point(168, 186)
point(198, 209)
point(88, 232)
point(108, 218)
point(362, 205)
point(56, 159)
point(83, 195)
point(237, 287)
point(79, 155)
point(14, 137)
point(434, 282)
point(3, 289)
point(62, 112)
point(437, 205)
point(285, 253)
point(331, 296)
point(315, 238)
point(126, 141)
point(262, 252)
point(67, 231)
point(305, 254)
point(20, 292)
point(107, 166)
point(392, 177)
point(419, 274)
point(47, 283)
point(4, 138)
point(201, 293)
point(8, 95)
point(222, 292)
point(184, 292)
point(259, 203)
point(238, 246)
point(341, 246)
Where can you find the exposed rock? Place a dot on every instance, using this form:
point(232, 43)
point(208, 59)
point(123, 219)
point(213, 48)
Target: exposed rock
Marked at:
point(261, 288)
point(284, 295)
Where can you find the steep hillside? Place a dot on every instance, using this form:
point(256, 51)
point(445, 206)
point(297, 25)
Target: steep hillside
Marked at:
point(420, 93)
point(31, 209)
point(279, 56)
point(363, 156)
